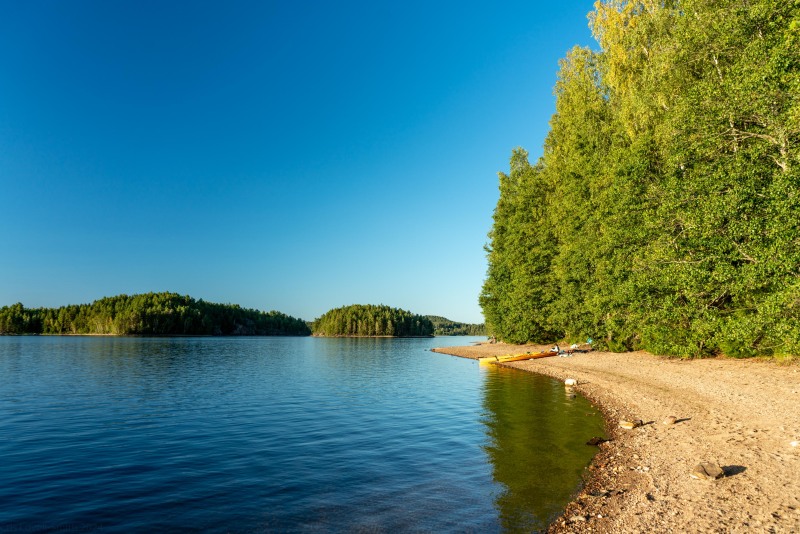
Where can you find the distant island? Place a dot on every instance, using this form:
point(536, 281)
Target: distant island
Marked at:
point(149, 314)
point(367, 320)
point(445, 327)
point(171, 314)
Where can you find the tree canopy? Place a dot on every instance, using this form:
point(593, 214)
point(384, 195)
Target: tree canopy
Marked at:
point(371, 320)
point(149, 314)
point(663, 213)
point(445, 327)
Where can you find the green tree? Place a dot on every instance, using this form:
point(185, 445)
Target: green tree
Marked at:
point(519, 290)
point(368, 320)
point(669, 182)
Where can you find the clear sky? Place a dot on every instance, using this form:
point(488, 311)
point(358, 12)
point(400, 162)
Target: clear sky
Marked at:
point(293, 155)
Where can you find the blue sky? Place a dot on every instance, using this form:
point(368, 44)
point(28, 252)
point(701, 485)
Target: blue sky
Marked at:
point(295, 156)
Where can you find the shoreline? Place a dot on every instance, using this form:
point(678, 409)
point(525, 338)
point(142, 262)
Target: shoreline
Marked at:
point(156, 335)
point(741, 414)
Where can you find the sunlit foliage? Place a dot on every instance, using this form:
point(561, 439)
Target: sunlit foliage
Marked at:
point(664, 213)
point(148, 314)
point(370, 320)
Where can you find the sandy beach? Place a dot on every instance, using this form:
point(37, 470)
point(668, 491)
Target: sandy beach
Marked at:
point(743, 415)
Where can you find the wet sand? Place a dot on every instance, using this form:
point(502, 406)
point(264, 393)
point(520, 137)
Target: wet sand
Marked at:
point(743, 415)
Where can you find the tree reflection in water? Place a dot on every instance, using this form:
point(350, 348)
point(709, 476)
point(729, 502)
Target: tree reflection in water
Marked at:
point(537, 433)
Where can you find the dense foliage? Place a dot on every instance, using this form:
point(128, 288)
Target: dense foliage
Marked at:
point(148, 314)
point(446, 327)
point(369, 320)
point(663, 213)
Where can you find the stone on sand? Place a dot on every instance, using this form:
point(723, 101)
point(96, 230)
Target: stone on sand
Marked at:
point(630, 425)
point(707, 471)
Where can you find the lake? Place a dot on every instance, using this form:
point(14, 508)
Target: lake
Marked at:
point(268, 434)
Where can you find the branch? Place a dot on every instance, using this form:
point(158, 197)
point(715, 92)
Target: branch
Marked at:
point(742, 252)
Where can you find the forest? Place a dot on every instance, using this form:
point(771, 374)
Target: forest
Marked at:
point(664, 212)
point(149, 314)
point(371, 320)
point(445, 327)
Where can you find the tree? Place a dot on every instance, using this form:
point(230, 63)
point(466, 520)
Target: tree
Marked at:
point(149, 314)
point(369, 320)
point(670, 187)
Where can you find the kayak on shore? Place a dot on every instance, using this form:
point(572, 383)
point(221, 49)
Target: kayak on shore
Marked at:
point(516, 357)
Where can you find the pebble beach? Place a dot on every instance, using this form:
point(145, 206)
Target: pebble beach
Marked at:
point(714, 445)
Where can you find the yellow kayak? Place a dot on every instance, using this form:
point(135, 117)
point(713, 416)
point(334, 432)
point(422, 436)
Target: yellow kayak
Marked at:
point(516, 357)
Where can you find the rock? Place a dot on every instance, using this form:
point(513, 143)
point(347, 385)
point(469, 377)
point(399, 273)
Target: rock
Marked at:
point(595, 441)
point(570, 382)
point(794, 443)
point(669, 420)
point(707, 471)
point(630, 425)
point(577, 518)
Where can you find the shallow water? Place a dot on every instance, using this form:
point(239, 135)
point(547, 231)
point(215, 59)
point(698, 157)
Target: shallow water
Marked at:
point(280, 435)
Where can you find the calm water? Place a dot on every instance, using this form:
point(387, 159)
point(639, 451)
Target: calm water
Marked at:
point(280, 435)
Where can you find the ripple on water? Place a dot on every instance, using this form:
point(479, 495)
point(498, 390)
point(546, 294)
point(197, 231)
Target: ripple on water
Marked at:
point(288, 434)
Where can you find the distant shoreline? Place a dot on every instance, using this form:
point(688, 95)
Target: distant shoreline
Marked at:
point(739, 414)
point(226, 336)
point(374, 337)
point(154, 335)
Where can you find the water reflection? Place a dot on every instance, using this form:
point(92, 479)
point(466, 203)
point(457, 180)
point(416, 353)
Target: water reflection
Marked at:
point(537, 445)
point(280, 434)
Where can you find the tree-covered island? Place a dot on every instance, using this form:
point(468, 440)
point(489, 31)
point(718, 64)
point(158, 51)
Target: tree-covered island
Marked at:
point(663, 214)
point(160, 314)
point(445, 327)
point(366, 320)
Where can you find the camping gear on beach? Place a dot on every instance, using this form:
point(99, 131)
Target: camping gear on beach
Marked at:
point(555, 351)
